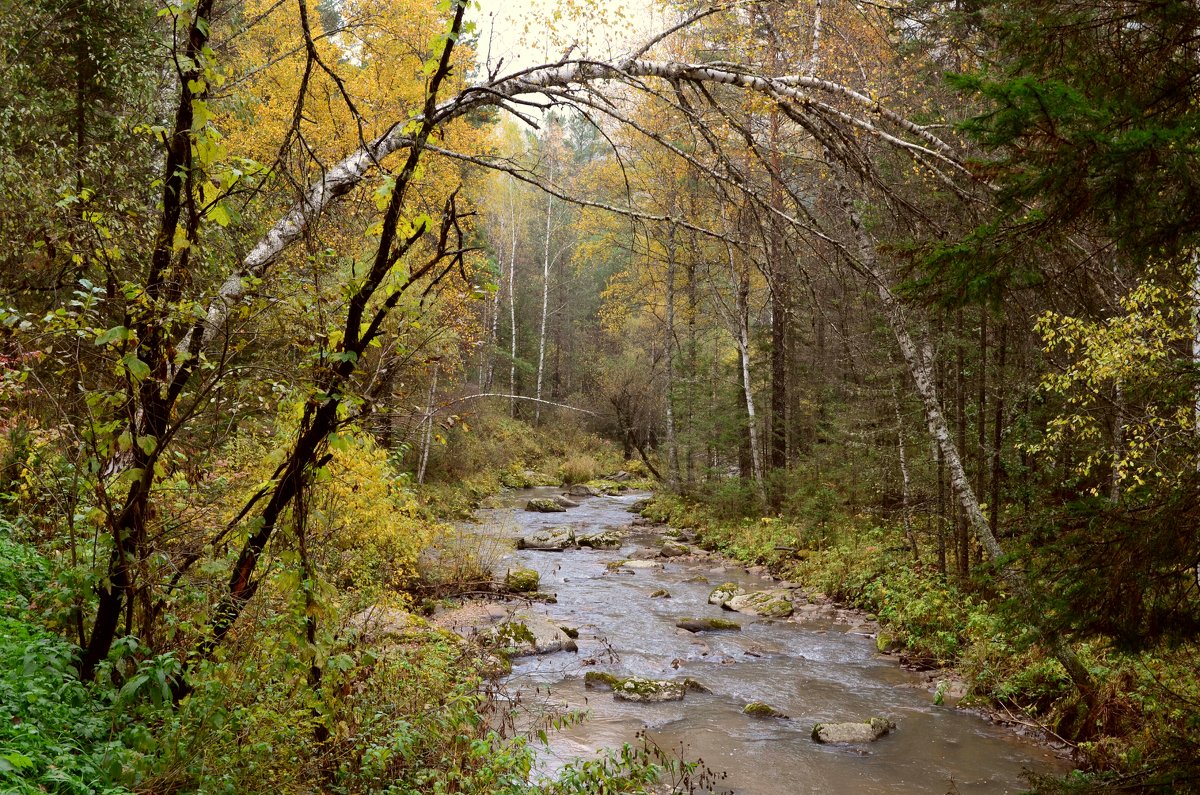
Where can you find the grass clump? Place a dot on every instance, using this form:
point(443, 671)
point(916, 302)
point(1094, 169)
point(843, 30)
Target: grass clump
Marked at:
point(577, 469)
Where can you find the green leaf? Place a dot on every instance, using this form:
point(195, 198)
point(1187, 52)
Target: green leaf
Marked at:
point(219, 213)
point(136, 368)
point(114, 334)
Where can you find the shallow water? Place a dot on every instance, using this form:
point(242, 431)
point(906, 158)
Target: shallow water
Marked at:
point(814, 671)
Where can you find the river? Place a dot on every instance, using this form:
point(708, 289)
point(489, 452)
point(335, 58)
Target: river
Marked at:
point(821, 668)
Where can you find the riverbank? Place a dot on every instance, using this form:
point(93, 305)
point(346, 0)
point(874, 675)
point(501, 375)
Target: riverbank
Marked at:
point(1136, 734)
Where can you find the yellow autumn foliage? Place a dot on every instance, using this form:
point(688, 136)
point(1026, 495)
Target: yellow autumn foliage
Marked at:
point(366, 522)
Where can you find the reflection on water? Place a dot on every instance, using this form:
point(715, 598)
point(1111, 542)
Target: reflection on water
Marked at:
point(813, 671)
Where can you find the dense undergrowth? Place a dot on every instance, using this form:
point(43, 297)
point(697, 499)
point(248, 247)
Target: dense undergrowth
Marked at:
point(302, 697)
point(1140, 734)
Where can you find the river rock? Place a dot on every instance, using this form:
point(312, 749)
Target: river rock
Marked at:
point(768, 604)
point(565, 502)
point(887, 643)
point(607, 539)
point(852, 733)
point(582, 490)
point(708, 625)
point(661, 593)
point(521, 581)
point(673, 549)
point(640, 690)
point(550, 539)
point(544, 505)
point(620, 477)
point(758, 709)
point(639, 505)
point(635, 565)
point(724, 592)
point(526, 633)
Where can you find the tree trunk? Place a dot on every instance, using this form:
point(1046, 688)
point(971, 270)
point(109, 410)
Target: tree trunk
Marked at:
point(427, 425)
point(998, 428)
point(537, 412)
point(669, 346)
point(512, 302)
point(919, 370)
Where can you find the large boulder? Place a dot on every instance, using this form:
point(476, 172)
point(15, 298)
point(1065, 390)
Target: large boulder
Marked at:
point(673, 549)
point(634, 565)
point(724, 592)
point(639, 505)
point(550, 539)
point(544, 505)
point(759, 709)
point(521, 581)
point(525, 634)
point(708, 625)
point(606, 539)
point(582, 490)
point(768, 604)
point(852, 733)
point(640, 690)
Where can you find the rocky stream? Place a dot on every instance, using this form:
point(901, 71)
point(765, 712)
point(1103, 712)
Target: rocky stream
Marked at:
point(781, 693)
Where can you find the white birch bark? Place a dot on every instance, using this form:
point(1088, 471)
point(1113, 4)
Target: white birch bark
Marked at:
point(537, 413)
point(427, 424)
point(939, 431)
point(512, 301)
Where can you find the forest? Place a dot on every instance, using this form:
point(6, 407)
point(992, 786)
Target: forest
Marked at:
point(899, 302)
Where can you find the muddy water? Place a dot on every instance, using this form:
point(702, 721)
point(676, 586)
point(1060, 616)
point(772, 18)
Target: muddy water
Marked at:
point(813, 669)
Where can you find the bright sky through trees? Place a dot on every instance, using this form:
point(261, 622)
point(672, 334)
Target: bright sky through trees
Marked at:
point(527, 32)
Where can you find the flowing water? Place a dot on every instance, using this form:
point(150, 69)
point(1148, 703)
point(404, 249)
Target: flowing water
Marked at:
point(816, 669)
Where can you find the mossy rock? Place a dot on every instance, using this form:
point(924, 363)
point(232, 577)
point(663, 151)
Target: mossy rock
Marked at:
point(852, 733)
point(673, 549)
point(724, 592)
point(511, 636)
point(549, 539)
point(661, 593)
point(600, 680)
point(639, 506)
point(521, 581)
point(768, 604)
point(544, 505)
point(758, 709)
point(699, 578)
point(570, 632)
point(709, 625)
point(582, 490)
point(887, 643)
point(607, 539)
point(526, 633)
point(649, 691)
